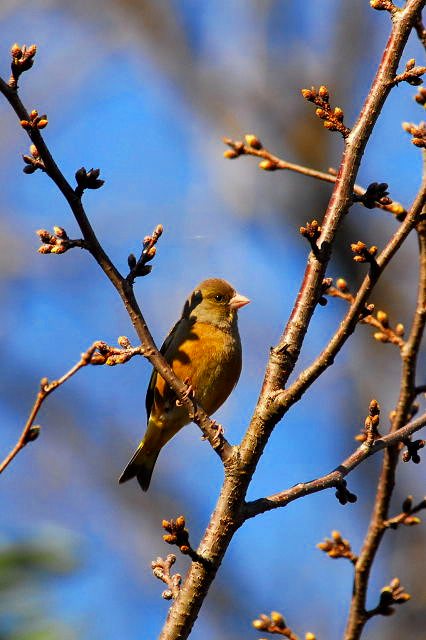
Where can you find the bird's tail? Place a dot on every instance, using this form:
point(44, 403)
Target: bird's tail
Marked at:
point(140, 467)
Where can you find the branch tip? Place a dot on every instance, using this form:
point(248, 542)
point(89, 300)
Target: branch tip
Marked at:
point(87, 180)
point(333, 118)
point(22, 60)
point(161, 569)
point(337, 547)
point(139, 267)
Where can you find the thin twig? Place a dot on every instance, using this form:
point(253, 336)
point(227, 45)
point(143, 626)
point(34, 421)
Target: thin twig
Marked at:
point(280, 164)
point(98, 353)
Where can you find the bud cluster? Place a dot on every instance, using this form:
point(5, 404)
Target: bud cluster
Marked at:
point(418, 132)
point(87, 180)
point(390, 595)
point(161, 570)
point(412, 74)
point(275, 623)
point(35, 121)
point(22, 60)
point(370, 432)
point(384, 5)
point(33, 161)
point(337, 547)
point(343, 494)
point(339, 290)
point(58, 242)
point(333, 118)
point(139, 267)
point(177, 534)
point(362, 254)
point(407, 517)
point(111, 356)
point(252, 146)
point(387, 334)
point(376, 193)
point(311, 232)
point(412, 451)
point(420, 97)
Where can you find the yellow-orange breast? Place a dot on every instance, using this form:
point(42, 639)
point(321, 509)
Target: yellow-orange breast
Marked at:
point(210, 358)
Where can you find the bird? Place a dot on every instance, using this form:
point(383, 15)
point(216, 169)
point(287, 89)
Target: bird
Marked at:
point(204, 350)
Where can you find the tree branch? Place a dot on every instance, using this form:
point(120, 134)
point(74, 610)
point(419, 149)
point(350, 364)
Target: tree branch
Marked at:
point(287, 398)
point(358, 614)
point(335, 477)
point(227, 516)
point(275, 162)
point(122, 285)
point(98, 353)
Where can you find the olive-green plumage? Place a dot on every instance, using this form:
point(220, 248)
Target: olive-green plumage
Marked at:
point(203, 347)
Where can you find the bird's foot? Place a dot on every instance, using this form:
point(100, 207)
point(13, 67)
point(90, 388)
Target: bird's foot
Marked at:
point(219, 432)
point(189, 393)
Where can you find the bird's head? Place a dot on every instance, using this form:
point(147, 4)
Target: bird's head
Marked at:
point(216, 302)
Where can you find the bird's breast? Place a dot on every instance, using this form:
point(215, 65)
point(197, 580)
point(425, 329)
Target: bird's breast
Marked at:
point(211, 359)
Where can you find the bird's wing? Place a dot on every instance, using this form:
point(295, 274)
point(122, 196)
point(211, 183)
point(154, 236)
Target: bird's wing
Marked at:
point(149, 400)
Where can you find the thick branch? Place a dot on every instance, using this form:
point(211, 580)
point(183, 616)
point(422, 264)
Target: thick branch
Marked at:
point(227, 516)
point(289, 396)
point(284, 356)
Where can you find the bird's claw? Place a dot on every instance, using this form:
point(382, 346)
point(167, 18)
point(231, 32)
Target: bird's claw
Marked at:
point(188, 394)
point(219, 432)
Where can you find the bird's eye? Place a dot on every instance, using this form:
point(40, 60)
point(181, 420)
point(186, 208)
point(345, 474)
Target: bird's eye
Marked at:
point(219, 297)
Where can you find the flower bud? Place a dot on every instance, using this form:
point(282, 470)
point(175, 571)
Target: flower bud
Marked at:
point(342, 285)
point(253, 141)
point(383, 318)
point(323, 93)
point(16, 50)
point(267, 165)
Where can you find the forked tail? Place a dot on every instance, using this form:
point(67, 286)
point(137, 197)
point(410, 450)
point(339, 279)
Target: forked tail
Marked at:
point(140, 467)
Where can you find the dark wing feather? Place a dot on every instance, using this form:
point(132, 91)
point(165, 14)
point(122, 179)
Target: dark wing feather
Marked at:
point(149, 400)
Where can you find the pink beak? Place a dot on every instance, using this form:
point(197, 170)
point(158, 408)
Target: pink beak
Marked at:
point(237, 301)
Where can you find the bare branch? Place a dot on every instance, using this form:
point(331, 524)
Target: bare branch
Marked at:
point(358, 615)
point(98, 353)
point(272, 162)
point(289, 396)
point(335, 477)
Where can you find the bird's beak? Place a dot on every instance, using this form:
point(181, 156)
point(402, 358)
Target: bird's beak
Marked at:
point(237, 301)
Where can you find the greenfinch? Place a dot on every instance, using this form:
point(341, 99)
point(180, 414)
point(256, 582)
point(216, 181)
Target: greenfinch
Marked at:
point(203, 349)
